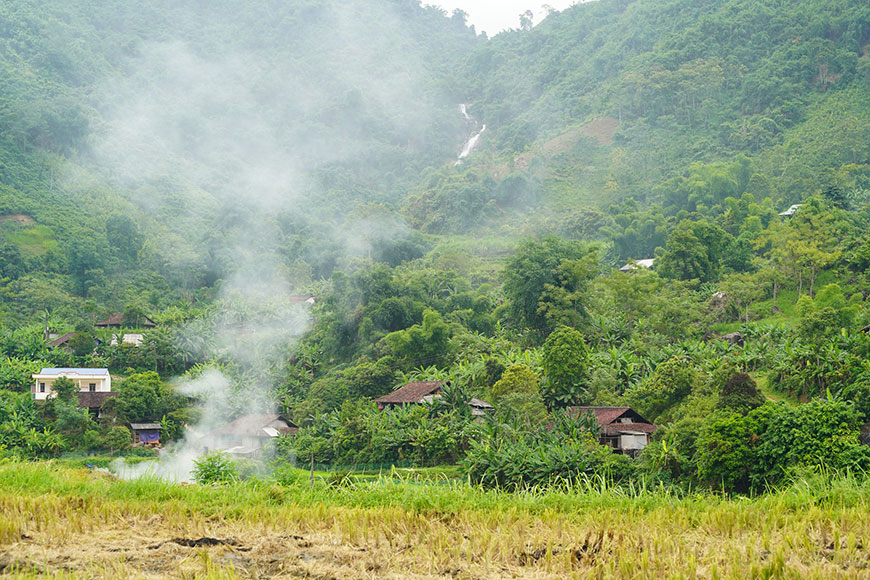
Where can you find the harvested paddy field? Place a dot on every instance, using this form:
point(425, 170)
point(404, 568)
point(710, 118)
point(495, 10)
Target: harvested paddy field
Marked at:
point(62, 522)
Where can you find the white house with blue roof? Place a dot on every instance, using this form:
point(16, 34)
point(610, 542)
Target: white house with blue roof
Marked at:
point(88, 381)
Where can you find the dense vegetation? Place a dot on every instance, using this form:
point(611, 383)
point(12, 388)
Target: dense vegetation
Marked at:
point(206, 166)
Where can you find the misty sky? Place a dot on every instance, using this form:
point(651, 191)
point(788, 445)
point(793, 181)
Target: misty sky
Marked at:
point(493, 16)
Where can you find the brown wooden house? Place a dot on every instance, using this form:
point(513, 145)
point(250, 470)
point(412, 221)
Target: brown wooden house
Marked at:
point(418, 393)
point(621, 428)
point(411, 394)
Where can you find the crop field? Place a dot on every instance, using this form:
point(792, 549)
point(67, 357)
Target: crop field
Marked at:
point(60, 522)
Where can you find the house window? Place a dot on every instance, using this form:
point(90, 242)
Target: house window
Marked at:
point(41, 387)
point(92, 387)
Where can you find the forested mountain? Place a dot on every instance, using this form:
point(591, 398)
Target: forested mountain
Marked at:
point(212, 164)
point(176, 114)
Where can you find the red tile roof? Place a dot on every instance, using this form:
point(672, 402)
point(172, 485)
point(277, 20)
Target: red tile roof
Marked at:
point(411, 393)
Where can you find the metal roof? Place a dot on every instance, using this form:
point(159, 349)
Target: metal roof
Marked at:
point(145, 426)
point(82, 371)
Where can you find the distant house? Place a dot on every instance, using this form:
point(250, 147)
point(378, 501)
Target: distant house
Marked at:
point(134, 338)
point(88, 380)
point(62, 341)
point(147, 433)
point(638, 264)
point(95, 386)
point(248, 434)
point(791, 210)
point(411, 394)
point(117, 321)
point(426, 392)
point(621, 428)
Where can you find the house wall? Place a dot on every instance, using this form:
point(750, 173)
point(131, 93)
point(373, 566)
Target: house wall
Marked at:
point(103, 384)
point(631, 442)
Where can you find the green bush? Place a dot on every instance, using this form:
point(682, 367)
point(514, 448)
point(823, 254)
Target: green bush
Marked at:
point(216, 467)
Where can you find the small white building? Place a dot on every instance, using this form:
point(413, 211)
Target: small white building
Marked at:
point(88, 381)
point(134, 338)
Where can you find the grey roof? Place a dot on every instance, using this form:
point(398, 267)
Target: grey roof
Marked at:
point(82, 371)
point(145, 426)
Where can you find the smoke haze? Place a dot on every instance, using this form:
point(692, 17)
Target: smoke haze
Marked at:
point(226, 142)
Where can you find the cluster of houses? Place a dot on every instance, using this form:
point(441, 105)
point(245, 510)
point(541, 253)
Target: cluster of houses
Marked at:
point(620, 427)
point(114, 322)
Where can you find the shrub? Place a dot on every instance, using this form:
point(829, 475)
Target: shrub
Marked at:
point(216, 467)
point(740, 394)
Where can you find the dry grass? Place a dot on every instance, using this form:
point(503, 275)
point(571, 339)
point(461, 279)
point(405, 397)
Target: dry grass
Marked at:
point(64, 523)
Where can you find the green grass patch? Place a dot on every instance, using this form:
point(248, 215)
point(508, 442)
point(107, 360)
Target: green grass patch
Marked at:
point(32, 241)
point(762, 381)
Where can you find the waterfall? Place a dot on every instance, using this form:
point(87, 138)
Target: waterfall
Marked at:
point(463, 108)
point(472, 141)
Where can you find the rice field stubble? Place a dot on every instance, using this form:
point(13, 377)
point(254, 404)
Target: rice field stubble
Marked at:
point(73, 523)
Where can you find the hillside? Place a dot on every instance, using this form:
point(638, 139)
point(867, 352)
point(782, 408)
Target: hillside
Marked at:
point(282, 188)
point(685, 84)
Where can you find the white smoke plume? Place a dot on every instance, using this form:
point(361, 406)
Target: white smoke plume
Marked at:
point(216, 139)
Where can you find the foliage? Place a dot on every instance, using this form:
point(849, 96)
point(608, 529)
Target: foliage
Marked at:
point(739, 393)
point(65, 389)
point(516, 454)
point(672, 381)
point(215, 467)
point(544, 275)
point(422, 344)
point(565, 362)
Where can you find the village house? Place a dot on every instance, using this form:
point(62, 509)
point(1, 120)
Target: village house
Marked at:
point(62, 341)
point(95, 386)
point(247, 435)
point(621, 428)
point(94, 402)
point(87, 380)
point(426, 392)
point(117, 321)
point(134, 338)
